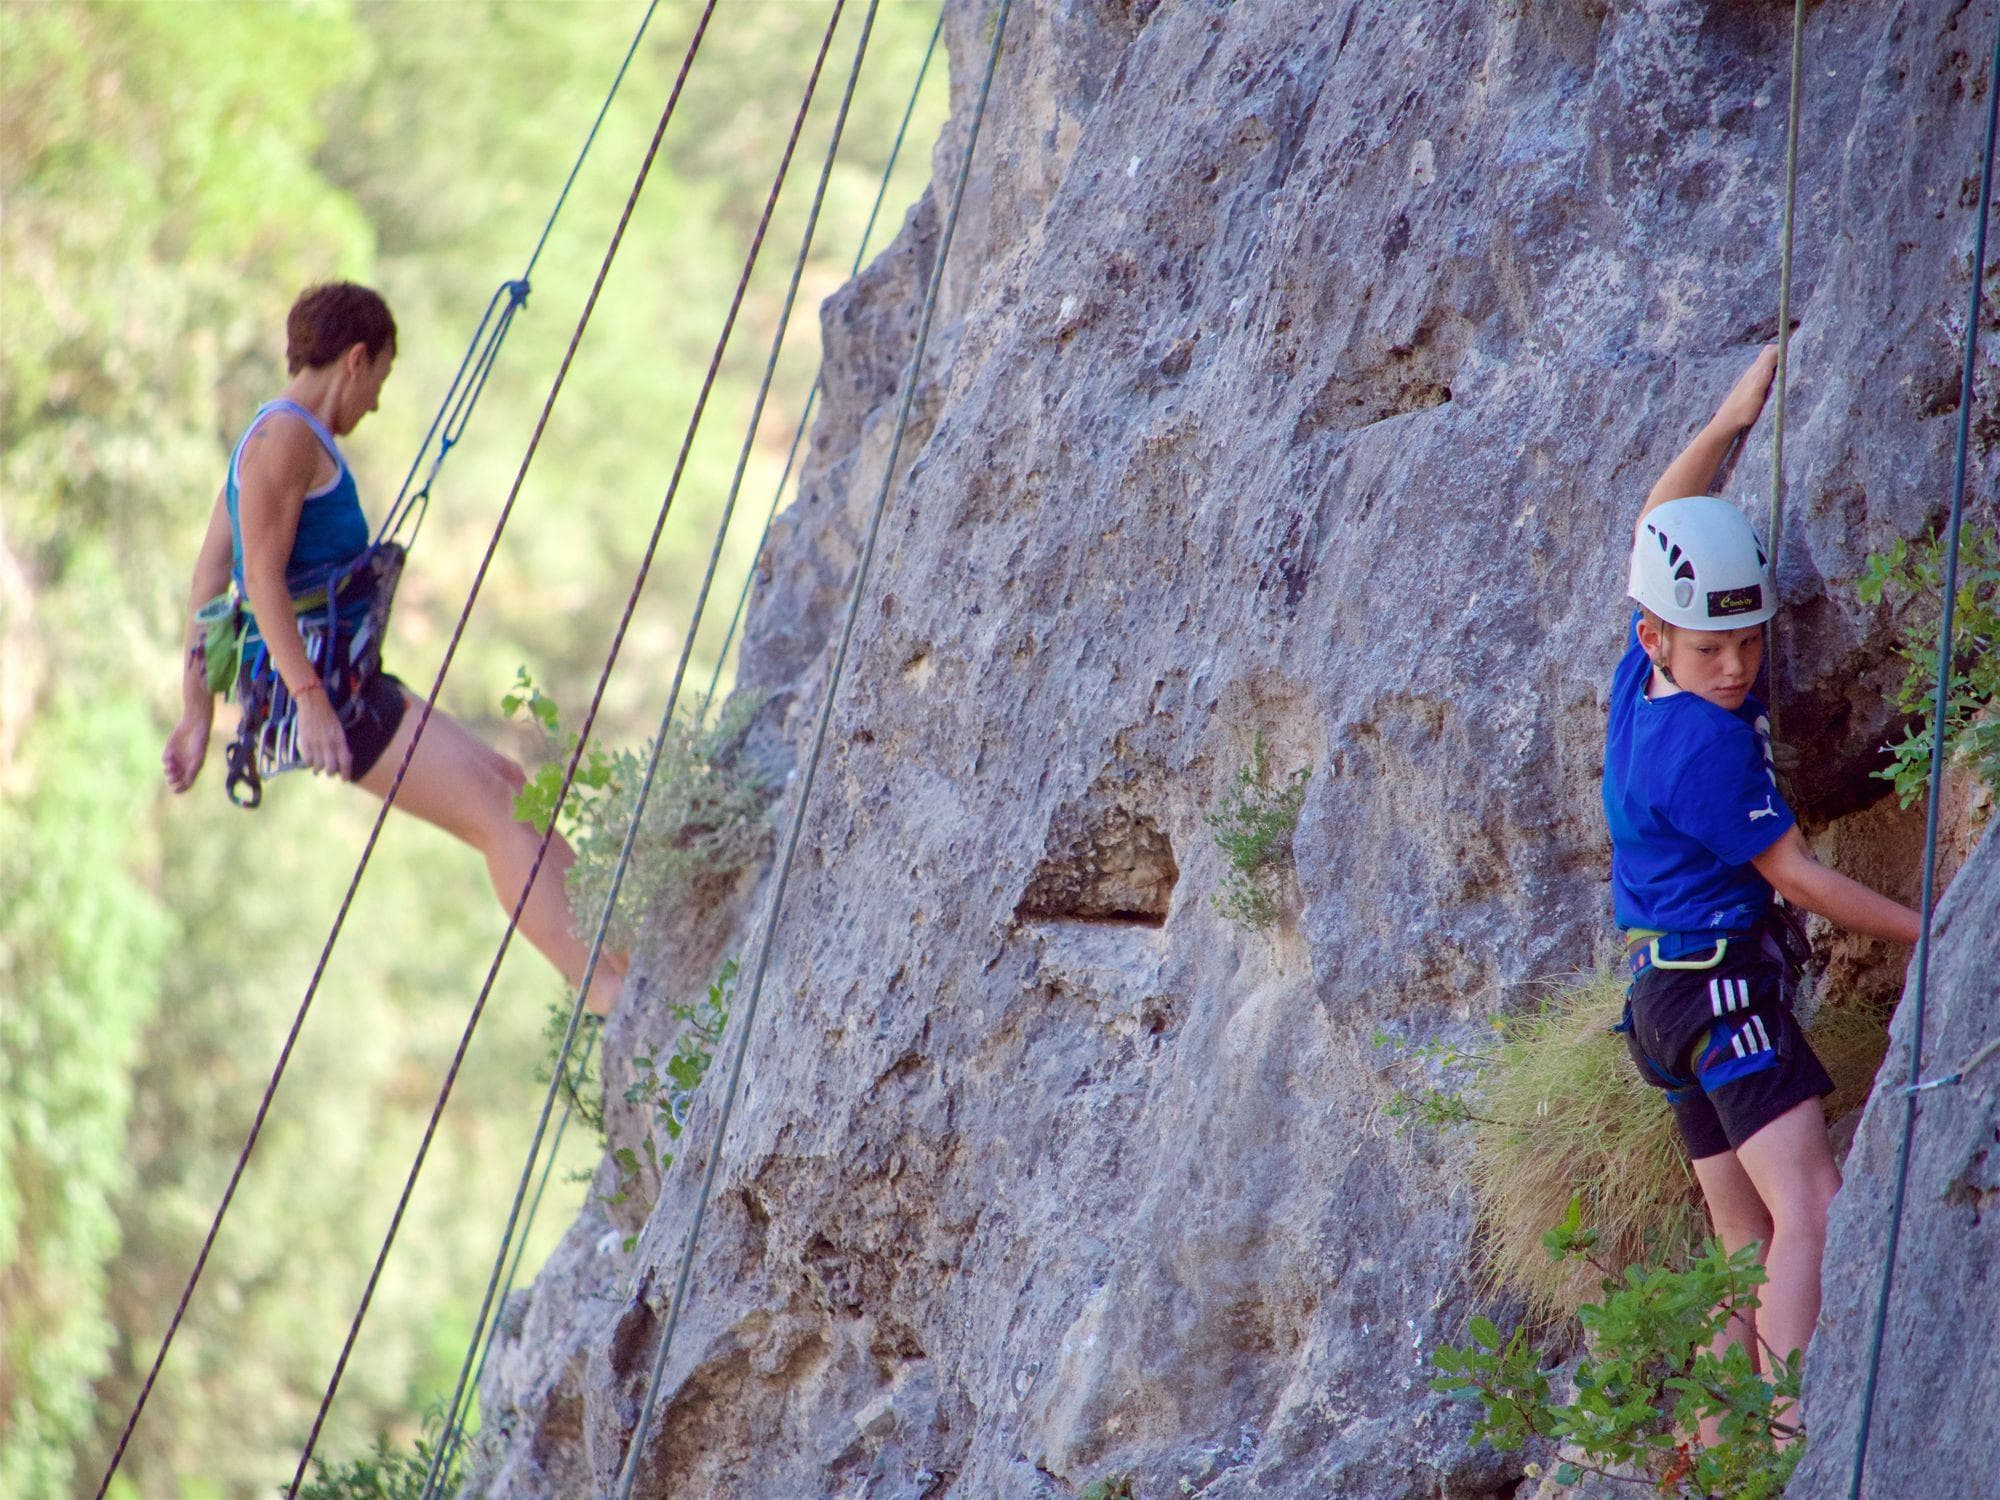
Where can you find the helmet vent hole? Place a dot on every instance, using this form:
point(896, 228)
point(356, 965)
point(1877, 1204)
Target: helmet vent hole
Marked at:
point(1683, 592)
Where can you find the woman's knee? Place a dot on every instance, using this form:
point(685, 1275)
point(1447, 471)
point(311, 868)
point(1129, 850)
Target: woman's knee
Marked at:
point(505, 768)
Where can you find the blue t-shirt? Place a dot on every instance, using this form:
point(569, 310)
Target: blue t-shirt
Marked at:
point(1691, 799)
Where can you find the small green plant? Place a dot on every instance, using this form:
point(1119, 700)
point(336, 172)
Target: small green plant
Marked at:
point(1554, 1110)
point(1647, 1382)
point(1110, 1487)
point(665, 1094)
point(582, 1085)
point(1253, 829)
point(595, 773)
point(1972, 727)
point(705, 814)
point(1432, 1107)
point(387, 1471)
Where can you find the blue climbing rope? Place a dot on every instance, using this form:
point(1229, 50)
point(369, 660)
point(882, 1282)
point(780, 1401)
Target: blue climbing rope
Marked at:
point(636, 1447)
point(1966, 387)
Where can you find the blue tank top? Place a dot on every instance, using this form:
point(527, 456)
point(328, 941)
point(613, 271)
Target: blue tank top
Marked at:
point(332, 530)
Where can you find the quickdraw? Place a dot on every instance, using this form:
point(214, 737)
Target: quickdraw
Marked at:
point(347, 657)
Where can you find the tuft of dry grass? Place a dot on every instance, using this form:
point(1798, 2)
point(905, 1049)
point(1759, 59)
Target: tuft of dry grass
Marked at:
point(1560, 1112)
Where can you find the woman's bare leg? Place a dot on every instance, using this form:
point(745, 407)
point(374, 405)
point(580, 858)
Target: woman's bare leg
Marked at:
point(459, 784)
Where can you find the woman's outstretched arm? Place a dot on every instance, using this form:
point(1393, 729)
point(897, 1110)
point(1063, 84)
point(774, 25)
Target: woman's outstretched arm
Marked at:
point(187, 746)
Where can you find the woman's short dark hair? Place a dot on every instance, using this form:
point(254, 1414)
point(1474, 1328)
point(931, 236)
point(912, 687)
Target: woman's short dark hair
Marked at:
point(332, 318)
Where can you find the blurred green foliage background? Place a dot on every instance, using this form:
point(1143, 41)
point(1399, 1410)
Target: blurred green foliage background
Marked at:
point(172, 173)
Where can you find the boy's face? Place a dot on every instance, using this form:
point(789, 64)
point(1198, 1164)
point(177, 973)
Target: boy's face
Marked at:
point(1719, 665)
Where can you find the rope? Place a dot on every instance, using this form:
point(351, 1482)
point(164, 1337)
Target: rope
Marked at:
point(459, 1406)
point(388, 801)
point(408, 508)
point(576, 756)
point(1775, 529)
point(1966, 384)
point(805, 417)
point(454, 1431)
point(637, 1445)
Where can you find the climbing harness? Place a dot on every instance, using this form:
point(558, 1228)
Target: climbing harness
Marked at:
point(342, 624)
point(1779, 937)
point(480, 365)
point(1967, 389)
point(809, 773)
point(583, 732)
point(480, 1343)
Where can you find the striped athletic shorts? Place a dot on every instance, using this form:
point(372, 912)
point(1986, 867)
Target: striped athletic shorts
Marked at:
point(1729, 1040)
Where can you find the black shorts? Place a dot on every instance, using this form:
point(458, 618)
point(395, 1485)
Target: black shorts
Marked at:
point(374, 722)
point(1737, 1056)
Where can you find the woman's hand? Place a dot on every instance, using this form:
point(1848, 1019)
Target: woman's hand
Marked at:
point(187, 748)
point(322, 742)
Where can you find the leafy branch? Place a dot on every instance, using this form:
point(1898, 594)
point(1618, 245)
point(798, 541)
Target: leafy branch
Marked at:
point(1650, 1379)
point(1972, 728)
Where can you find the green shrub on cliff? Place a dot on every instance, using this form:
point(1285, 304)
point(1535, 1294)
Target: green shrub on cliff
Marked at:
point(1972, 728)
point(704, 816)
point(1647, 1382)
point(1253, 829)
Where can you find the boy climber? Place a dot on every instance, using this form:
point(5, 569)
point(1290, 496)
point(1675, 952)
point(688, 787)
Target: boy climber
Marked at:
point(1700, 838)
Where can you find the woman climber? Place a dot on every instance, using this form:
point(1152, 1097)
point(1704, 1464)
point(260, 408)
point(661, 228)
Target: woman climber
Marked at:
point(288, 534)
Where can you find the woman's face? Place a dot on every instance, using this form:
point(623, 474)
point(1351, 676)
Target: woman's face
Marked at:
point(363, 393)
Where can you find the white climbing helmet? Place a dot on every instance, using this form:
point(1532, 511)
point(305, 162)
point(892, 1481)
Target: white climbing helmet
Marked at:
point(1697, 563)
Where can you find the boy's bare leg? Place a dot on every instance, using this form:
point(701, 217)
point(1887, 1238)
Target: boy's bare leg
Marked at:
point(460, 784)
point(1738, 1216)
point(1791, 1164)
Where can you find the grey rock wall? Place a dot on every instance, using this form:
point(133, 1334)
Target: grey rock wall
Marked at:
point(1299, 370)
point(1935, 1430)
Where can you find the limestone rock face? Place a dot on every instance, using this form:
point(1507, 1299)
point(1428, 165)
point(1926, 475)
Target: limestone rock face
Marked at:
point(1299, 370)
point(1933, 1425)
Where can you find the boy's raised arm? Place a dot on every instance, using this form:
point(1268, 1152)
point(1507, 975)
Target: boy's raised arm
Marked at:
point(1694, 469)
